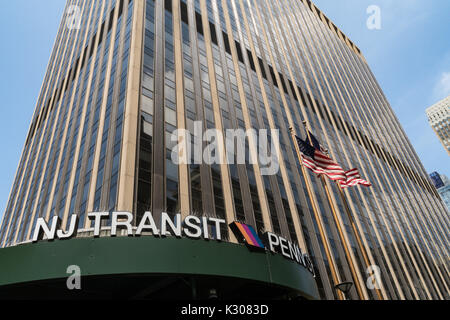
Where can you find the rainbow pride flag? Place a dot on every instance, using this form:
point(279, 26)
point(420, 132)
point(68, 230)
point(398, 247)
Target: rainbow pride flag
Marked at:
point(246, 233)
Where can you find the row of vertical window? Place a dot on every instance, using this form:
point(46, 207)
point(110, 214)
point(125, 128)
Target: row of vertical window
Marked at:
point(307, 101)
point(36, 124)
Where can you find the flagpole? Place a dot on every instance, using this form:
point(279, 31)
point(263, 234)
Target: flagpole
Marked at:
point(326, 246)
point(340, 231)
point(356, 234)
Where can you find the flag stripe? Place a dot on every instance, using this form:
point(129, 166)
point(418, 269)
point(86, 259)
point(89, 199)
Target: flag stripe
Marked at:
point(314, 159)
point(353, 179)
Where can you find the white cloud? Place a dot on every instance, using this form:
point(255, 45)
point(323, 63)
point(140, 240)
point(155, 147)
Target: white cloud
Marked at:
point(442, 87)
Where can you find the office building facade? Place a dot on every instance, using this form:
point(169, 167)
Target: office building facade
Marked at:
point(439, 119)
point(134, 71)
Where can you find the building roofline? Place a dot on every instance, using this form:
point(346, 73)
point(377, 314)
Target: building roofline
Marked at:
point(322, 16)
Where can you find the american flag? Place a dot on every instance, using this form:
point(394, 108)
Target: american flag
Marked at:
point(314, 159)
point(315, 143)
point(353, 179)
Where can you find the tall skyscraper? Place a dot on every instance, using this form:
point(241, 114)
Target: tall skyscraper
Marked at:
point(128, 73)
point(442, 184)
point(437, 179)
point(439, 119)
point(444, 192)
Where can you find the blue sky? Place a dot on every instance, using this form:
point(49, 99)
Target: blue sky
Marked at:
point(27, 30)
point(410, 56)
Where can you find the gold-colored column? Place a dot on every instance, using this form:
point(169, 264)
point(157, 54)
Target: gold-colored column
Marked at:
point(98, 145)
point(358, 238)
point(127, 173)
point(225, 174)
point(183, 167)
